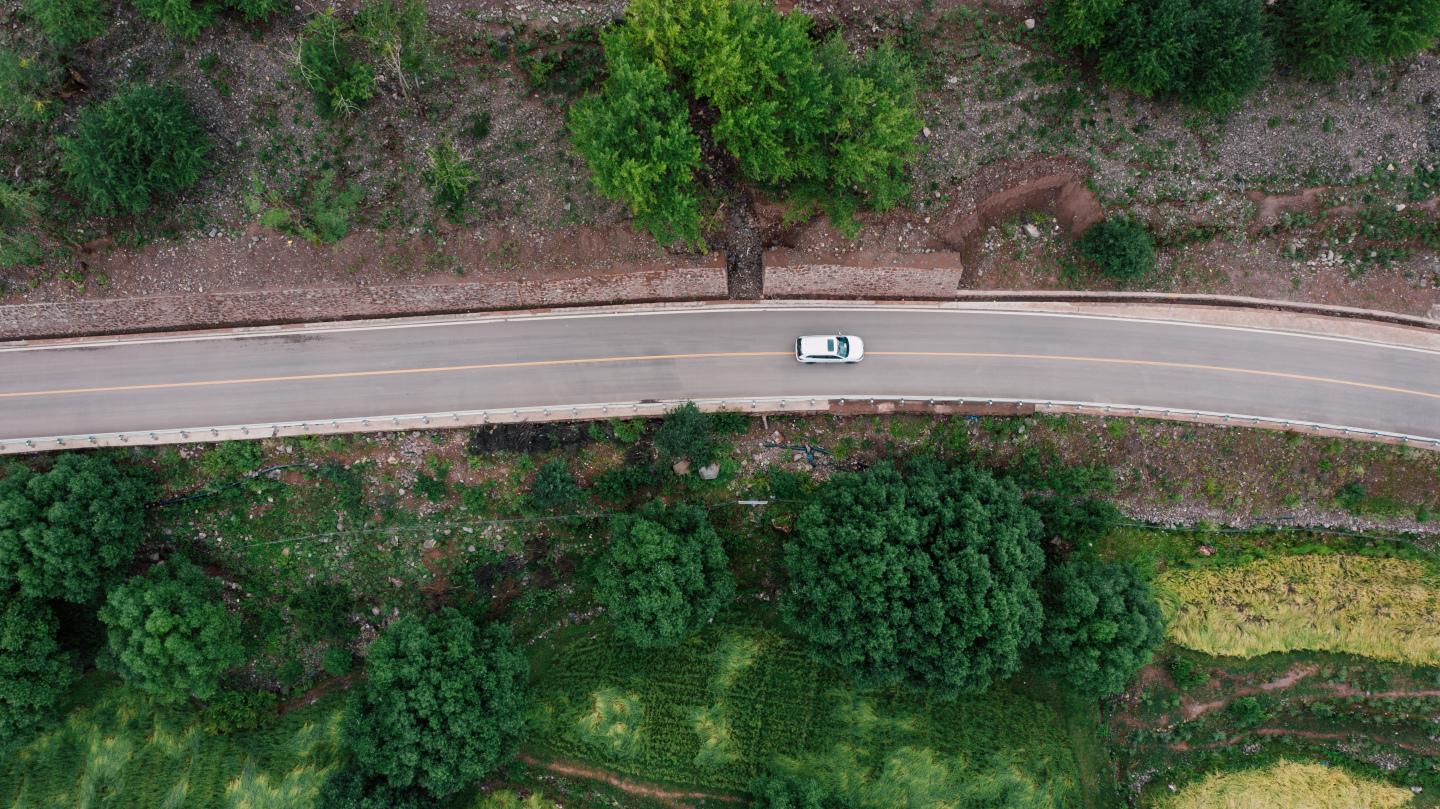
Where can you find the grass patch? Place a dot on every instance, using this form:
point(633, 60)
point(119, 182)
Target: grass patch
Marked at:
point(1288, 785)
point(118, 748)
point(716, 711)
point(1384, 609)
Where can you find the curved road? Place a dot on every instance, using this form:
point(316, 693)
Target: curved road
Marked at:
point(620, 356)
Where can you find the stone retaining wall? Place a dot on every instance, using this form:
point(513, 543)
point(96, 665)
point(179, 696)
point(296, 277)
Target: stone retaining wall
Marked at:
point(180, 312)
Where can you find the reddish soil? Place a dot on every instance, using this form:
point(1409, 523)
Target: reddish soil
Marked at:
point(312, 696)
point(669, 797)
point(1191, 710)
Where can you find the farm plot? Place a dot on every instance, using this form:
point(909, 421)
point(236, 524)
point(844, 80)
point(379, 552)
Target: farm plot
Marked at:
point(721, 709)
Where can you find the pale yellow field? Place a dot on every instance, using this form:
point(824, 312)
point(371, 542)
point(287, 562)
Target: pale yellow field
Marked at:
point(1387, 609)
point(1287, 785)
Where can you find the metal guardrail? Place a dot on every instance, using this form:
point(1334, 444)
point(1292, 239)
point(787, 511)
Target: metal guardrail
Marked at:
point(655, 408)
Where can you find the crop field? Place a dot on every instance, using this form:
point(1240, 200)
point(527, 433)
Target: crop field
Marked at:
point(1385, 609)
point(120, 750)
point(1288, 785)
point(717, 711)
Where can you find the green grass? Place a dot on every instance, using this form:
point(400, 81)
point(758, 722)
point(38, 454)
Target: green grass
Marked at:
point(714, 712)
point(116, 748)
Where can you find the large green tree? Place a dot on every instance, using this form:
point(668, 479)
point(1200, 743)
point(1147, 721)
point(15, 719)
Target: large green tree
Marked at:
point(34, 673)
point(170, 633)
point(1101, 624)
point(927, 578)
point(443, 703)
point(702, 94)
point(63, 531)
point(664, 575)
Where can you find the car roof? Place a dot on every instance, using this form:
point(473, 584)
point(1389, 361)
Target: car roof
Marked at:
point(816, 344)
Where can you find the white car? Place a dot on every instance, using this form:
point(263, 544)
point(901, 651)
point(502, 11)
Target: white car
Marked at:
point(829, 348)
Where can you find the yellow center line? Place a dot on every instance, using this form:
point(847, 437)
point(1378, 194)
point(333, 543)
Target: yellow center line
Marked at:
point(439, 369)
point(716, 355)
point(1193, 366)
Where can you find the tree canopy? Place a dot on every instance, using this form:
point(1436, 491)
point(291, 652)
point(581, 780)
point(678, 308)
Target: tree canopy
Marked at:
point(170, 633)
point(664, 575)
point(34, 673)
point(1101, 624)
point(63, 531)
point(781, 110)
point(926, 578)
point(443, 703)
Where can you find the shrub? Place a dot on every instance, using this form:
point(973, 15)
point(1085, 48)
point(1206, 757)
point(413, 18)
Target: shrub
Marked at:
point(1186, 673)
point(1207, 53)
point(1120, 248)
point(664, 575)
point(1321, 37)
point(337, 661)
point(256, 10)
point(68, 22)
point(170, 633)
point(685, 433)
point(635, 135)
point(450, 176)
point(142, 143)
point(1403, 27)
point(927, 579)
point(25, 84)
point(554, 487)
point(63, 532)
point(19, 223)
point(397, 37)
point(34, 674)
point(332, 68)
point(233, 710)
point(349, 788)
point(1101, 625)
point(182, 18)
point(443, 703)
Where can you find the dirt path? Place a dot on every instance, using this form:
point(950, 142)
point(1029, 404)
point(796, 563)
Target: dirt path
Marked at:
point(1318, 735)
point(673, 798)
point(1297, 673)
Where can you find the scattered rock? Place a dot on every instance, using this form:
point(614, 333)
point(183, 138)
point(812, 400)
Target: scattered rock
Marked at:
point(710, 472)
point(1205, 550)
point(681, 467)
point(1029, 23)
point(1032, 231)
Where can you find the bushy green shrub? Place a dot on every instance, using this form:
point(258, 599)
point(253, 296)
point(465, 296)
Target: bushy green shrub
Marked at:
point(1207, 53)
point(65, 531)
point(1321, 37)
point(450, 176)
point(1403, 27)
point(349, 788)
point(19, 224)
point(337, 661)
point(397, 35)
point(1120, 248)
point(34, 674)
point(170, 633)
point(25, 84)
point(233, 710)
point(664, 575)
point(68, 22)
point(1101, 625)
point(927, 578)
point(181, 18)
point(332, 65)
point(443, 704)
point(256, 10)
point(140, 144)
point(554, 487)
point(685, 433)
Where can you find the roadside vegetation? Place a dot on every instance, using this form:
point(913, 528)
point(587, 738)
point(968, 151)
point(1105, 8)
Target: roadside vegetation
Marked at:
point(535, 613)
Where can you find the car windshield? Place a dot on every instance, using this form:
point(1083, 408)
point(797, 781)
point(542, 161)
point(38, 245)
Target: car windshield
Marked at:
point(844, 350)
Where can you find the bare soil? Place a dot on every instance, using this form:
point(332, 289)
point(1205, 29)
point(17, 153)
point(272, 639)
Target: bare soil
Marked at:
point(678, 799)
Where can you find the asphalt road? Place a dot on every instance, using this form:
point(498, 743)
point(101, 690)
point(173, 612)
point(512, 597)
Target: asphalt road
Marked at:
point(387, 369)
